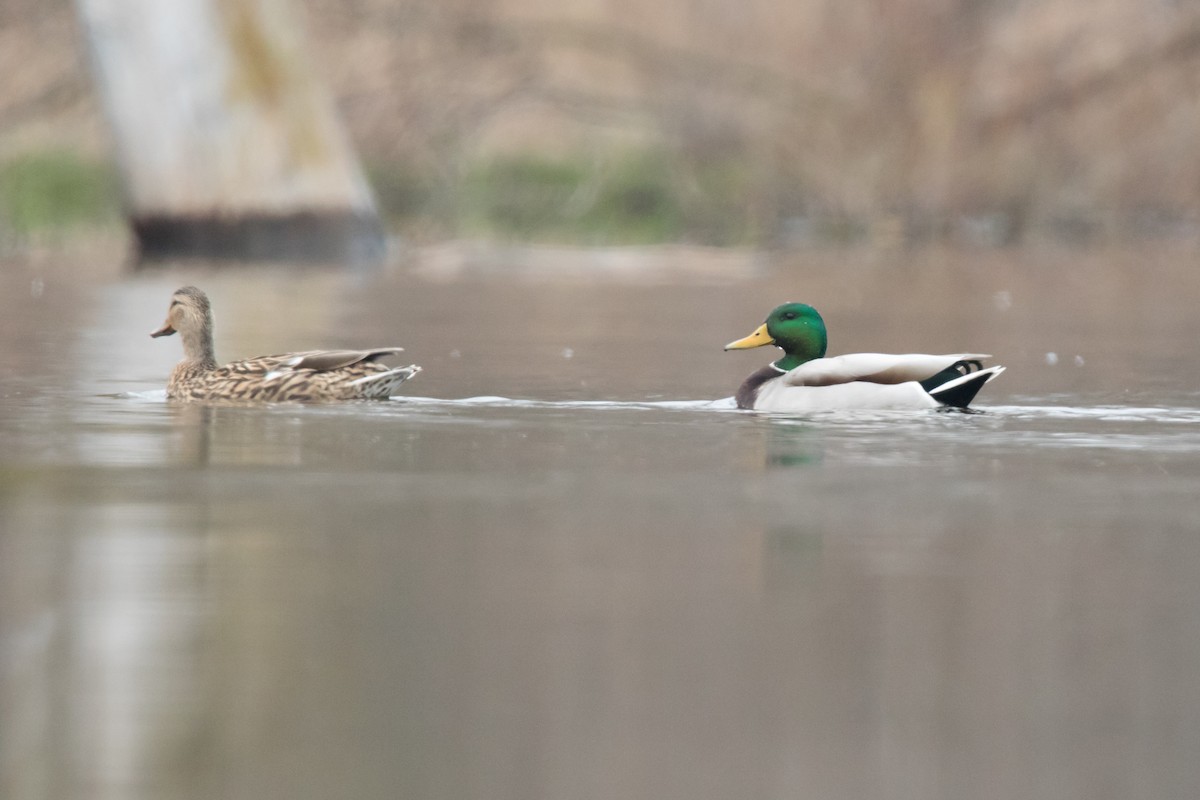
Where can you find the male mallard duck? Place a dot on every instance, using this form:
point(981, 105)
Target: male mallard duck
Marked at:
point(804, 380)
point(310, 376)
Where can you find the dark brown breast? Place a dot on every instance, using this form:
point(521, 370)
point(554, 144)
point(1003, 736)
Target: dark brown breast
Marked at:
point(747, 393)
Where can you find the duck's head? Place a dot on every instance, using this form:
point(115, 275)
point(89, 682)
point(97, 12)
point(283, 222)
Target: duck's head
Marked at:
point(795, 328)
point(189, 310)
point(190, 315)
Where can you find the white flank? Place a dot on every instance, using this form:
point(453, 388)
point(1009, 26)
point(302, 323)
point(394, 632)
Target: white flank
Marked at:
point(775, 395)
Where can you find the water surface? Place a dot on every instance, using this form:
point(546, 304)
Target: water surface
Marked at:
point(565, 567)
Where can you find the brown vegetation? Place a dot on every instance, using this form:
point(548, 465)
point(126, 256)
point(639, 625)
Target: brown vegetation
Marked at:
point(986, 118)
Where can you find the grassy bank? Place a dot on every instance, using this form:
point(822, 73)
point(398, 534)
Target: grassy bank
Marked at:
point(635, 198)
point(56, 193)
point(638, 198)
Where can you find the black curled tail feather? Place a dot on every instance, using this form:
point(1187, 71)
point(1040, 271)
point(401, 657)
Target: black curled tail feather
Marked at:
point(960, 389)
point(955, 370)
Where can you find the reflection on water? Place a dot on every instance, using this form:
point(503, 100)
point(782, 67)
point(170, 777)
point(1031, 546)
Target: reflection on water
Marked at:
point(551, 576)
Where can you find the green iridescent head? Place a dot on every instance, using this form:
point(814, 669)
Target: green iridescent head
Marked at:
point(796, 329)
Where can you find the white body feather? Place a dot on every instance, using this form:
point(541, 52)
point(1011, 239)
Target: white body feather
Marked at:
point(778, 395)
point(861, 381)
point(878, 368)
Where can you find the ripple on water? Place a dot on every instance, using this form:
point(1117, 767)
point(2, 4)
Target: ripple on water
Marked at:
point(1104, 413)
point(1101, 413)
point(723, 404)
point(1163, 429)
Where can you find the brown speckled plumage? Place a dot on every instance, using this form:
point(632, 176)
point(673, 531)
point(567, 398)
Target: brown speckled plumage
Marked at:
point(313, 376)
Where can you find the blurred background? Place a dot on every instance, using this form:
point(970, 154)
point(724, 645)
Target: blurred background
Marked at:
point(759, 123)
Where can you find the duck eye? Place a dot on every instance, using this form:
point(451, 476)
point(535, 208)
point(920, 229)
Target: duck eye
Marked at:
point(790, 315)
point(174, 303)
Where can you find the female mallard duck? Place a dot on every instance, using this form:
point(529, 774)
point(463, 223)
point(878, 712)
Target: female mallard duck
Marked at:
point(310, 376)
point(804, 380)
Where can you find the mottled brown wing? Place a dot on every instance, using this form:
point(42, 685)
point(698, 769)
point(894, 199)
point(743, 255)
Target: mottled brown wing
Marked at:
point(325, 360)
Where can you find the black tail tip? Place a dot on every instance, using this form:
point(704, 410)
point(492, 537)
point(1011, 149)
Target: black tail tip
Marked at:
point(959, 392)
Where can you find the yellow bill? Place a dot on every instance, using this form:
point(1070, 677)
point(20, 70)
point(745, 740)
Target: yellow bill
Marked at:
point(759, 338)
